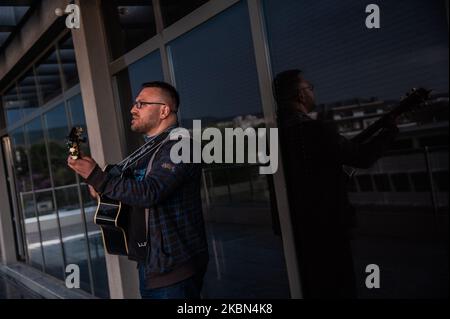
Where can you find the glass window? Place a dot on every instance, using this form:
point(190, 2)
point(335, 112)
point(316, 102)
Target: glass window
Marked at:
point(28, 92)
point(49, 227)
point(72, 231)
point(240, 223)
point(144, 70)
point(38, 155)
point(12, 106)
point(95, 242)
point(228, 43)
point(32, 230)
point(173, 10)
point(345, 60)
point(20, 159)
point(130, 81)
point(96, 247)
point(48, 76)
point(57, 130)
point(64, 211)
point(128, 24)
point(356, 68)
point(68, 63)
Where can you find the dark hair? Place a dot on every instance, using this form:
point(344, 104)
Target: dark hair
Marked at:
point(167, 88)
point(285, 86)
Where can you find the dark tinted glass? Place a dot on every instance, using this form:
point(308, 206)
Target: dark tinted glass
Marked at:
point(56, 123)
point(38, 155)
point(173, 10)
point(48, 76)
point(128, 24)
point(12, 106)
point(69, 66)
point(28, 94)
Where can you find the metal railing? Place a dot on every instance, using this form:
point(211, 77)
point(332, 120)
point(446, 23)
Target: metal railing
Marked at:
point(409, 163)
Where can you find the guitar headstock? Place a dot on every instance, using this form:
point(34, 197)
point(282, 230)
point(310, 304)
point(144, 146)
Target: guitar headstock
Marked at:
point(74, 140)
point(413, 100)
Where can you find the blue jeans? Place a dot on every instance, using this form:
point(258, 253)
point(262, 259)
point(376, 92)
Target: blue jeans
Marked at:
point(187, 289)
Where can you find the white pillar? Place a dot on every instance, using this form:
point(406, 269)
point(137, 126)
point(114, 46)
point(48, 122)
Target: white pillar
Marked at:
point(7, 246)
point(102, 122)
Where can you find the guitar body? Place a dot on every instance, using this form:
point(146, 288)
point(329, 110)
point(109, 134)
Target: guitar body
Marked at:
point(112, 217)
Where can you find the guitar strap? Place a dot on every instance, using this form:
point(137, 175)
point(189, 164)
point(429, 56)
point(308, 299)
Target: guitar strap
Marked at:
point(143, 151)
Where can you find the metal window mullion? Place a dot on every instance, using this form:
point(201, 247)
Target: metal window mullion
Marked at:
point(19, 224)
point(38, 57)
point(264, 73)
point(42, 109)
point(163, 49)
point(38, 87)
point(169, 72)
point(4, 109)
point(60, 69)
point(157, 12)
point(83, 218)
point(27, 146)
point(22, 221)
point(192, 20)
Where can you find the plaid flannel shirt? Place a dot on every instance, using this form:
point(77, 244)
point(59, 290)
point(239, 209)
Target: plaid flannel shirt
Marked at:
point(172, 194)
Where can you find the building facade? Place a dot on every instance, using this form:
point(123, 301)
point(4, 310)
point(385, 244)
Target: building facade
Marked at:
point(221, 55)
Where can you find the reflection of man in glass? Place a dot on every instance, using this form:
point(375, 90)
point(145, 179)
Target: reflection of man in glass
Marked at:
point(313, 154)
point(176, 256)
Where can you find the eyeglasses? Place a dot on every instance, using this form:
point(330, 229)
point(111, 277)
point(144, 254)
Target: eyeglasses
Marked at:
point(309, 87)
point(140, 104)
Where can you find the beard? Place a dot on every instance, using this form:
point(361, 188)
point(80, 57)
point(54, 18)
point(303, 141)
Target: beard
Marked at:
point(140, 125)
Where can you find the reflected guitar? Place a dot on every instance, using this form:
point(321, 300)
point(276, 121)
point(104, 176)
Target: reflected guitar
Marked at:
point(110, 215)
point(413, 100)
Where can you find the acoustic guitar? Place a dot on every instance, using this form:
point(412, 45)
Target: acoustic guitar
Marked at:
point(111, 215)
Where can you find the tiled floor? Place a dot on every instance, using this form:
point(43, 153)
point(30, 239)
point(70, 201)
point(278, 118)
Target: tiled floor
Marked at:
point(248, 262)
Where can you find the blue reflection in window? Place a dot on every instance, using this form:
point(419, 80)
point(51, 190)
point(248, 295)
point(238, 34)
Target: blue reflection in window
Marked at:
point(13, 116)
point(144, 70)
point(77, 111)
point(12, 106)
point(346, 60)
point(215, 69)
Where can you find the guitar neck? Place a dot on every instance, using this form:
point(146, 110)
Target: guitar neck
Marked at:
point(378, 124)
point(416, 98)
point(370, 130)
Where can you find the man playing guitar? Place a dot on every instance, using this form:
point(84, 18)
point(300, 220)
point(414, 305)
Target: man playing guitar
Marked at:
point(313, 158)
point(165, 197)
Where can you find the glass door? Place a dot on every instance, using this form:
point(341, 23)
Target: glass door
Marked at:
point(17, 222)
